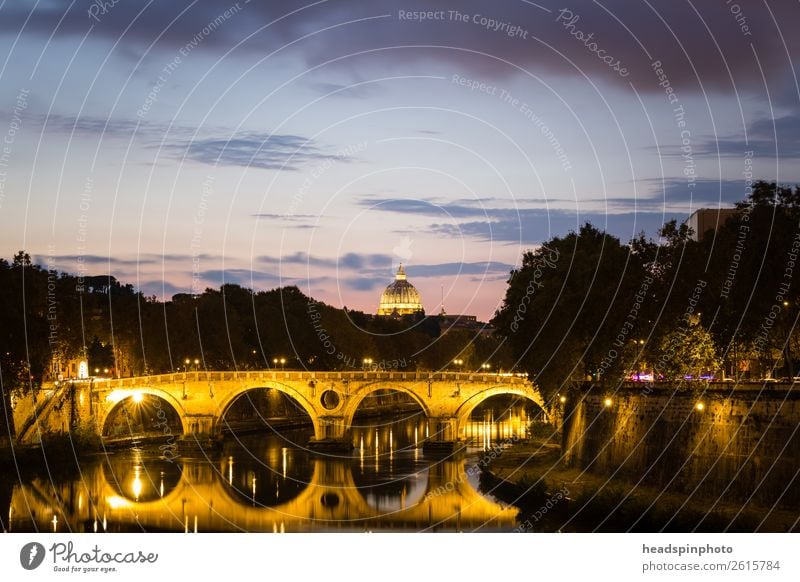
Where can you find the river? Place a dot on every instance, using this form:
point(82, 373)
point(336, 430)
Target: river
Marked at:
point(270, 483)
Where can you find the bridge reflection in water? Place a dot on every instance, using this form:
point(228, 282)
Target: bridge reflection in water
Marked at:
point(269, 483)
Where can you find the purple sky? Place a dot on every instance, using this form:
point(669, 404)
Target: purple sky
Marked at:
point(180, 145)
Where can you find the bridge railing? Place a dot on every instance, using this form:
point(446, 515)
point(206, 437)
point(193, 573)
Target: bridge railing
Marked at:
point(255, 375)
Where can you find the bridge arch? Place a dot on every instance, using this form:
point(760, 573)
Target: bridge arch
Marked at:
point(356, 397)
point(121, 397)
point(309, 408)
point(465, 409)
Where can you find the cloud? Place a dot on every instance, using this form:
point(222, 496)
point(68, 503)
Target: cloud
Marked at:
point(108, 127)
point(209, 145)
point(363, 283)
point(536, 226)
point(425, 207)
point(460, 269)
point(704, 193)
point(533, 220)
point(250, 150)
point(350, 261)
point(696, 42)
point(117, 262)
point(243, 277)
point(357, 90)
point(285, 217)
point(766, 138)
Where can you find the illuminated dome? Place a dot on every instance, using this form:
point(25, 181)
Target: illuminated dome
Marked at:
point(400, 298)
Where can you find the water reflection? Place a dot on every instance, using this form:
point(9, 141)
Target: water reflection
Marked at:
point(267, 483)
point(492, 426)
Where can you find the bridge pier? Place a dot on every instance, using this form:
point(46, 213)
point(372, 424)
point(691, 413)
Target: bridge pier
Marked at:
point(332, 435)
point(443, 436)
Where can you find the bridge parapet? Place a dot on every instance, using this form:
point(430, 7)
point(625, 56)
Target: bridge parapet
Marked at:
point(355, 376)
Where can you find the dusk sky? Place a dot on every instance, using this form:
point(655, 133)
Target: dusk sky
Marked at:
point(180, 145)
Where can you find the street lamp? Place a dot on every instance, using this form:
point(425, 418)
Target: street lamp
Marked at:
point(485, 368)
point(196, 364)
point(639, 358)
point(281, 361)
point(787, 353)
point(458, 362)
point(367, 363)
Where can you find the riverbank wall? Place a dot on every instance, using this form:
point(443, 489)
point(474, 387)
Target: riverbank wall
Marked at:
point(719, 441)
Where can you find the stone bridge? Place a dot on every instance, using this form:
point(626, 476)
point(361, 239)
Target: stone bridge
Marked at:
point(201, 400)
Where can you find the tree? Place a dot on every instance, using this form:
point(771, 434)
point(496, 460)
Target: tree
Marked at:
point(568, 305)
point(688, 350)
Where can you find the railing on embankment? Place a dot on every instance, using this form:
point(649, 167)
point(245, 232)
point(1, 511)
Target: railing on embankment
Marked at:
point(701, 385)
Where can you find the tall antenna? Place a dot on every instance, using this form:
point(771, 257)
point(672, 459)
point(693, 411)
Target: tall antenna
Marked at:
point(442, 299)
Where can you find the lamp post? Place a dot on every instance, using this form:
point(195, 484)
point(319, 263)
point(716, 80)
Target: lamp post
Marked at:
point(367, 363)
point(281, 361)
point(485, 367)
point(457, 363)
point(186, 363)
point(787, 353)
point(640, 345)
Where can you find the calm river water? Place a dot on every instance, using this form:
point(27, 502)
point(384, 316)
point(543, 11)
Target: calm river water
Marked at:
point(270, 483)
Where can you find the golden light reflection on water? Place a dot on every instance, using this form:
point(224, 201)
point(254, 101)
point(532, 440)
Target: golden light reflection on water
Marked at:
point(267, 484)
point(488, 431)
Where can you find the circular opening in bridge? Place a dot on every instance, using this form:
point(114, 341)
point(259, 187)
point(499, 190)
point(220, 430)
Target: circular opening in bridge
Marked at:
point(330, 399)
point(267, 410)
point(505, 419)
point(330, 500)
point(140, 418)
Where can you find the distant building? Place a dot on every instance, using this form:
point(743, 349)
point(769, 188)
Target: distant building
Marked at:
point(708, 219)
point(468, 322)
point(400, 298)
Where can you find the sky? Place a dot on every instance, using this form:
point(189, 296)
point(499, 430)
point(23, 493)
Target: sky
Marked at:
point(179, 145)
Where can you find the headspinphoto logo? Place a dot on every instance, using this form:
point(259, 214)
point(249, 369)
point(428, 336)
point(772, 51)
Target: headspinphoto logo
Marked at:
point(31, 555)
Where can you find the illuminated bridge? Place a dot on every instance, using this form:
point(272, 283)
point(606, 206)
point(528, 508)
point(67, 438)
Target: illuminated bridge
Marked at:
point(200, 400)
